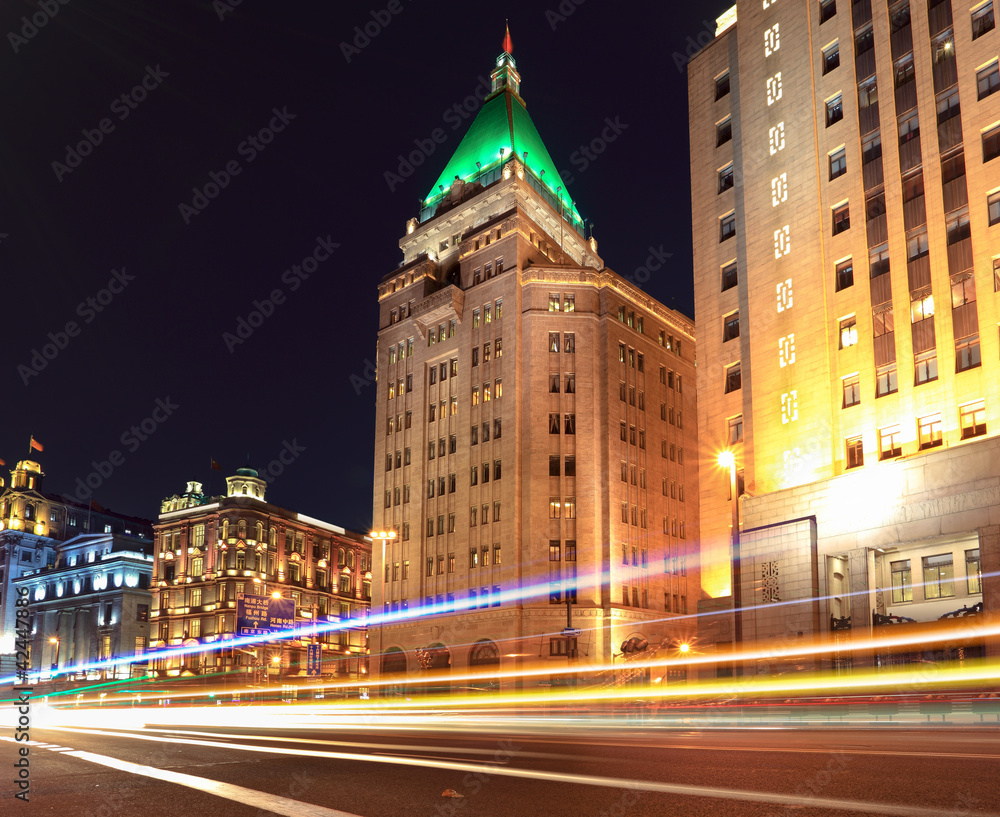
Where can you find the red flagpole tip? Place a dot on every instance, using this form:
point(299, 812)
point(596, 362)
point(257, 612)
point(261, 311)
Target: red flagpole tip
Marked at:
point(508, 46)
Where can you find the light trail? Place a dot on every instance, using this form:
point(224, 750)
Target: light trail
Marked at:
point(501, 770)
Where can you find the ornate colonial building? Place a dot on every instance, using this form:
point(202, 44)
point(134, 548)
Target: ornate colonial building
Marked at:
point(535, 430)
point(91, 607)
point(209, 550)
point(844, 167)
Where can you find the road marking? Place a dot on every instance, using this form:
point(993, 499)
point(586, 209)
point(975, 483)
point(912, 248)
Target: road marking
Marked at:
point(499, 770)
point(240, 794)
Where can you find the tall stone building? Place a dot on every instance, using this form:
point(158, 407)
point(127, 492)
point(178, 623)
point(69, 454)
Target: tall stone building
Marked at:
point(535, 430)
point(847, 258)
point(209, 550)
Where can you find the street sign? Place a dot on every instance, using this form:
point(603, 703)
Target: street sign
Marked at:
point(263, 615)
point(314, 659)
point(572, 632)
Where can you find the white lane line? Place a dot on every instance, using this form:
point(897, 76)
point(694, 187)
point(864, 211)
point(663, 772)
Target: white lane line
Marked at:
point(576, 779)
point(240, 794)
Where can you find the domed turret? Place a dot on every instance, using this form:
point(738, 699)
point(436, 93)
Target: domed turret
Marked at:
point(247, 482)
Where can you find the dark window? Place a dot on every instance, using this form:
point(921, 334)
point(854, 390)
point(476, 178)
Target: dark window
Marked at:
point(982, 20)
point(731, 327)
point(727, 226)
point(733, 379)
point(845, 274)
point(852, 391)
point(722, 85)
point(834, 110)
point(886, 381)
point(726, 178)
point(831, 57)
point(827, 8)
point(730, 276)
point(723, 131)
point(991, 144)
point(988, 80)
point(841, 219)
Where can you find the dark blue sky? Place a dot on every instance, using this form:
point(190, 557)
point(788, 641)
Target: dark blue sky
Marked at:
point(164, 170)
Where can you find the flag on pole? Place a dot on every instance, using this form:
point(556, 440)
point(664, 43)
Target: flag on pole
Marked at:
point(95, 506)
point(216, 466)
point(2, 462)
point(34, 445)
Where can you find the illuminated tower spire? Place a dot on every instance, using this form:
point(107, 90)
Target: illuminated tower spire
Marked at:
point(505, 74)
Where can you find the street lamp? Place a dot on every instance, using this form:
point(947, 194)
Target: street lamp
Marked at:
point(55, 663)
point(727, 459)
point(383, 536)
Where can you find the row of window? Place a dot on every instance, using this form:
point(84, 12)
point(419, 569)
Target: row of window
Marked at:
point(634, 359)
point(633, 515)
point(497, 432)
point(487, 314)
point(568, 463)
point(567, 303)
point(569, 386)
point(957, 222)
point(496, 348)
point(568, 424)
point(488, 393)
point(938, 577)
point(568, 344)
point(487, 271)
point(972, 421)
point(562, 508)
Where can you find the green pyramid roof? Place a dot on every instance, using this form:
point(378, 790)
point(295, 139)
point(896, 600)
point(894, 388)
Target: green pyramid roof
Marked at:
point(503, 122)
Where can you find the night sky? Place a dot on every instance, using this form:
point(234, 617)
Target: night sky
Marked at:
point(124, 286)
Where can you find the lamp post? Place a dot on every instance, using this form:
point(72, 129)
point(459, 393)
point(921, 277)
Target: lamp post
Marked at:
point(55, 663)
point(382, 536)
point(727, 459)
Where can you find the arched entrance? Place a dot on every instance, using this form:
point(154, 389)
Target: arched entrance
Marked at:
point(484, 661)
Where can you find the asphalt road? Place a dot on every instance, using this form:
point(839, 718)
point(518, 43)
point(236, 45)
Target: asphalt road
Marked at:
point(326, 765)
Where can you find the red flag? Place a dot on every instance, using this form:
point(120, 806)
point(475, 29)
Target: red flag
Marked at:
point(216, 466)
point(35, 445)
point(508, 46)
point(95, 507)
point(3, 462)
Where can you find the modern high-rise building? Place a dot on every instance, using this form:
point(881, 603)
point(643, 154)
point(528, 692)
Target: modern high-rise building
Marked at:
point(846, 200)
point(210, 551)
point(535, 431)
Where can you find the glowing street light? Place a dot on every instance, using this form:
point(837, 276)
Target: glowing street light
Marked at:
point(727, 459)
point(55, 663)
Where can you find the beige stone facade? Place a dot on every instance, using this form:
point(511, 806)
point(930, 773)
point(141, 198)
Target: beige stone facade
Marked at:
point(535, 428)
point(845, 161)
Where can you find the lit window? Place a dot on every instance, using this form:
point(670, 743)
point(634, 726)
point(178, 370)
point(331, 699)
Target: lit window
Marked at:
point(929, 429)
point(852, 390)
point(921, 308)
point(838, 163)
point(902, 583)
point(939, 576)
point(855, 452)
point(972, 418)
point(973, 571)
point(925, 367)
point(848, 332)
point(553, 341)
point(554, 302)
point(889, 443)
point(967, 355)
